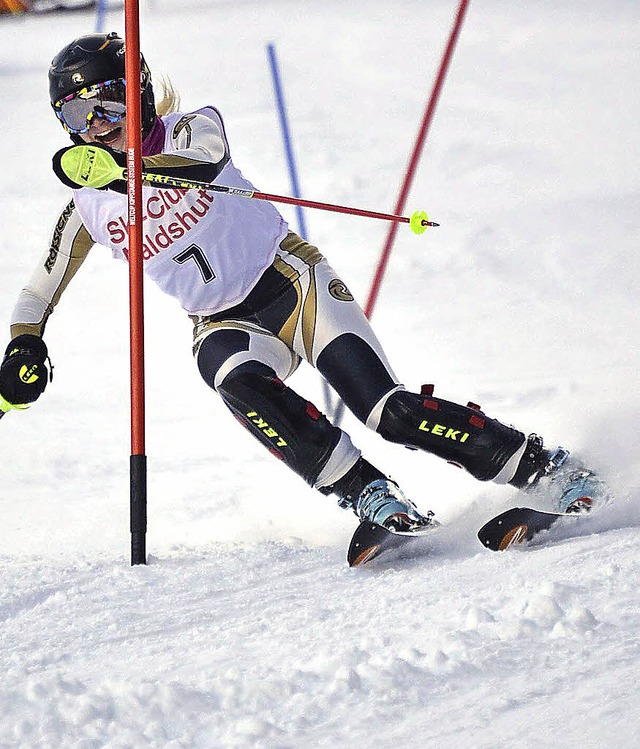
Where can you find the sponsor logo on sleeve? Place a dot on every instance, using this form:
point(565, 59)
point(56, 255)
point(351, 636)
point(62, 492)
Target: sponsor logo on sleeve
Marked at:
point(54, 247)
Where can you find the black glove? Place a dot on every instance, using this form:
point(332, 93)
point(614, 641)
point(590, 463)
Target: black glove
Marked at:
point(91, 165)
point(23, 372)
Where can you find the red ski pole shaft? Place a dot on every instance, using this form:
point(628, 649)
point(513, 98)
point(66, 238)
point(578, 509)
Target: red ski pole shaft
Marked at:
point(418, 220)
point(335, 208)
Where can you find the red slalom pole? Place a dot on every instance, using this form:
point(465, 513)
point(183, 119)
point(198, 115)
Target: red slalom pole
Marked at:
point(415, 157)
point(138, 460)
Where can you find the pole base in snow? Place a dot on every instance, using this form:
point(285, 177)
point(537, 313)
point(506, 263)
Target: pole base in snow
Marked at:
point(138, 508)
point(138, 548)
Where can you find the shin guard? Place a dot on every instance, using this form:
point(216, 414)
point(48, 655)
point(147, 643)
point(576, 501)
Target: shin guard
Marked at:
point(462, 435)
point(289, 426)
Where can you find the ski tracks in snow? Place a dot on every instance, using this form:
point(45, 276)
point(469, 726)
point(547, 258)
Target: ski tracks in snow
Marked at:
point(272, 645)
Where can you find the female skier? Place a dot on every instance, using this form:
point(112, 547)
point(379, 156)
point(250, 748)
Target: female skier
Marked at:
point(261, 299)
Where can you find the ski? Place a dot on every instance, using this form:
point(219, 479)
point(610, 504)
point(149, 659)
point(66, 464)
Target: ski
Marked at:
point(520, 525)
point(371, 540)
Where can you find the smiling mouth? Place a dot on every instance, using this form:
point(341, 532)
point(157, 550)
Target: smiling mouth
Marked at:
point(109, 136)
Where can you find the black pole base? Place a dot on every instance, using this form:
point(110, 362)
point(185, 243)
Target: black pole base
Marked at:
point(138, 508)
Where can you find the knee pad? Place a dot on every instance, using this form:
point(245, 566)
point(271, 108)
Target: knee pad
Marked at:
point(231, 345)
point(462, 435)
point(290, 427)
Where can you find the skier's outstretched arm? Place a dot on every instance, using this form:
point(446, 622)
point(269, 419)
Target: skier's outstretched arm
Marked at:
point(23, 372)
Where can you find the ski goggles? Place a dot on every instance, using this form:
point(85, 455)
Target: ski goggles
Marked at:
point(107, 101)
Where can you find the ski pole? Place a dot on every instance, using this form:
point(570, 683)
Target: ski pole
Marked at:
point(93, 166)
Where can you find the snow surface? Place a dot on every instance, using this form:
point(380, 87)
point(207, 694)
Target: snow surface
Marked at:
point(247, 629)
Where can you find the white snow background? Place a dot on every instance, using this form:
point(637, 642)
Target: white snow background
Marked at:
point(247, 628)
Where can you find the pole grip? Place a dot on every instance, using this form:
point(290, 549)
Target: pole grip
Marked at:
point(138, 508)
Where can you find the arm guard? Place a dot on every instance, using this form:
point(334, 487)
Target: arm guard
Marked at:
point(69, 246)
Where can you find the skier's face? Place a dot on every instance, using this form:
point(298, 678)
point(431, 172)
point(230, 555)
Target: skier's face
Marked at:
point(96, 113)
point(112, 134)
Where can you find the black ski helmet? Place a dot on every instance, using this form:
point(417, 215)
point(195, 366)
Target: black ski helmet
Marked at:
point(95, 58)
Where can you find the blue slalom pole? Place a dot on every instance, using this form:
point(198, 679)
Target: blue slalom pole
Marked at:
point(101, 12)
point(286, 136)
point(295, 186)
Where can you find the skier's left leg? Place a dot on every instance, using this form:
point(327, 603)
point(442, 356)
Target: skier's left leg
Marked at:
point(485, 447)
point(489, 450)
point(344, 348)
point(336, 337)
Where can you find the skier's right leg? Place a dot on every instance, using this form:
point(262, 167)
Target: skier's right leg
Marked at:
point(247, 366)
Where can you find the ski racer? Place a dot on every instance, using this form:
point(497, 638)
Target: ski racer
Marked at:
point(261, 299)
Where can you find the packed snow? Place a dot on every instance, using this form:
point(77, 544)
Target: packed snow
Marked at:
point(247, 629)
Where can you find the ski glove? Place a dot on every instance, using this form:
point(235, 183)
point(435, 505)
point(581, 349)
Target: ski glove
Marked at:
point(91, 165)
point(23, 372)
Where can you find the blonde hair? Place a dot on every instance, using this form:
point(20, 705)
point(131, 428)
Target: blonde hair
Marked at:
point(169, 100)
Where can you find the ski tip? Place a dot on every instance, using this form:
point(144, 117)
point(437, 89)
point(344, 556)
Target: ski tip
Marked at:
point(365, 544)
point(505, 531)
point(517, 527)
point(513, 537)
point(371, 541)
point(365, 555)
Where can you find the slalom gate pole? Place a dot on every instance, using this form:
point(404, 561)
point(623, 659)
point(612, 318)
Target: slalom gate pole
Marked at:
point(286, 136)
point(293, 173)
point(413, 163)
point(101, 13)
point(138, 460)
point(415, 156)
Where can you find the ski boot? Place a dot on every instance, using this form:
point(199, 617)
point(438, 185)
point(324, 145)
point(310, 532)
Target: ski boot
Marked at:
point(376, 499)
point(579, 490)
point(383, 503)
point(572, 487)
